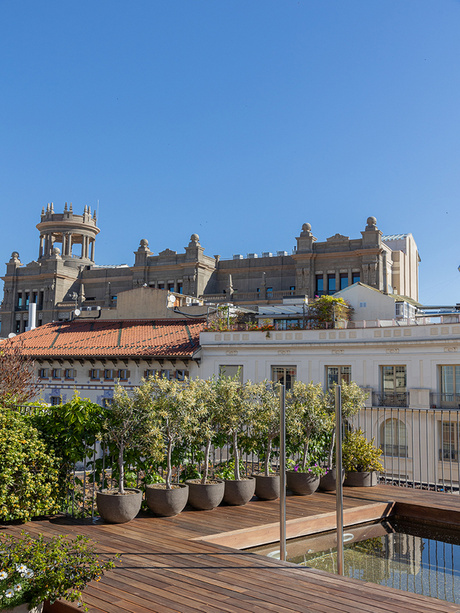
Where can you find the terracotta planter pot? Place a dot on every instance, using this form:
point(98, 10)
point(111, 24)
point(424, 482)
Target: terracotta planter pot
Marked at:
point(327, 483)
point(166, 502)
point(302, 484)
point(116, 508)
point(205, 496)
point(267, 487)
point(239, 492)
point(362, 479)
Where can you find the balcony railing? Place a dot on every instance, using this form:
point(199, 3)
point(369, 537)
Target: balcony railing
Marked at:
point(390, 399)
point(445, 400)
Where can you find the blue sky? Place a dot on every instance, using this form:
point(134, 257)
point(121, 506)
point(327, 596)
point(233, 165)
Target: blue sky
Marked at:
point(238, 120)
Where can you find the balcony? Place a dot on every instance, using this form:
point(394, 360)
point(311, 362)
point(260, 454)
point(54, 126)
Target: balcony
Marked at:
point(445, 400)
point(390, 399)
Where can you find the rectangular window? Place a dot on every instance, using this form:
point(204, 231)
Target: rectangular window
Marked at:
point(107, 402)
point(337, 374)
point(355, 277)
point(109, 374)
point(292, 288)
point(331, 285)
point(319, 285)
point(180, 287)
point(286, 375)
point(43, 373)
point(171, 286)
point(55, 400)
point(149, 373)
point(69, 373)
point(450, 385)
point(94, 374)
point(231, 370)
point(27, 300)
point(19, 303)
point(394, 386)
point(165, 374)
point(123, 374)
point(18, 326)
point(161, 285)
point(269, 292)
point(56, 373)
point(181, 374)
point(448, 443)
point(343, 280)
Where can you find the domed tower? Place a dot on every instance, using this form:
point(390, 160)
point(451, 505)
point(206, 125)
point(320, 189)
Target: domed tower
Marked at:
point(67, 234)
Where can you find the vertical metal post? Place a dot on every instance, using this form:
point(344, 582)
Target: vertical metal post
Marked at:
point(282, 472)
point(338, 479)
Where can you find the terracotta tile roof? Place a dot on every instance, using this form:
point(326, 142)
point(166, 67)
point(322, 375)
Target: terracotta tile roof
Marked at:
point(123, 338)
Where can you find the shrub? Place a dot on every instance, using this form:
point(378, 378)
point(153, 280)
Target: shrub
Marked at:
point(28, 473)
point(359, 454)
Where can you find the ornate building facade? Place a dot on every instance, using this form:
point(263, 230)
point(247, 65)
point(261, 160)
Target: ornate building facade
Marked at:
point(65, 275)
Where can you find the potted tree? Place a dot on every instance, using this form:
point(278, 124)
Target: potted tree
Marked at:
point(361, 460)
point(353, 399)
point(34, 570)
point(205, 493)
point(172, 407)
point(266, 427)
point(305, 416)
point(234, 408)
point(129, 426)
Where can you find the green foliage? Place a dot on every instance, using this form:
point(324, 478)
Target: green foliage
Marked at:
point(28, 473)
point(306, 416)
point(34, 570)
point(130, 426)
point(226, 470)
point(359, 454)
point(70, 431)
point(328, 309)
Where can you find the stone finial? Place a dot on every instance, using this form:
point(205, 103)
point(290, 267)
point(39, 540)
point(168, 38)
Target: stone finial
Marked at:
point(56, 251)
point(52, 208)
point(306, 230)
point(194, 240)
point(371, 223)
point(144, 244)
point(48, 207)
point(14, 257)
point(43, 210)
point(94, 216)
point(86, 210)
point(65, 207)
point(70, 207)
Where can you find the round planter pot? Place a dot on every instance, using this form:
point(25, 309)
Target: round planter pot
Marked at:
point(267, 486)
point(24, 608)
point(166, 502)
point(239, 492)
point(205, 496)
point(362, 479)
point(115, 508)
point(301, 484)
point(327, 482)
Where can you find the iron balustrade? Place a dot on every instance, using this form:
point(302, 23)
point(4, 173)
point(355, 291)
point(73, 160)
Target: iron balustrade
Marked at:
point(390, 399)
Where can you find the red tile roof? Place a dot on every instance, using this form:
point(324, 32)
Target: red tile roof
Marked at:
point(121, 338)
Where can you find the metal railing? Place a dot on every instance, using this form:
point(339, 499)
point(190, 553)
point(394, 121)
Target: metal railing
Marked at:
point(445, 400)
point(420, 447)
point(390, 399)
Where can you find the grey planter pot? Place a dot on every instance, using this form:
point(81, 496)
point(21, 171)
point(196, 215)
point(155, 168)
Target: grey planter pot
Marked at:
point(205, 497)
point(166, 502)
point(362, 479)
point(267, 486)
point(24, 608)
point(327, 483)
point(115, 508)
point(302, 484)
point(239, 492)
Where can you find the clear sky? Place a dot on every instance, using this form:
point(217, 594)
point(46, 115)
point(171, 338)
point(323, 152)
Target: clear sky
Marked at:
point(238, 120)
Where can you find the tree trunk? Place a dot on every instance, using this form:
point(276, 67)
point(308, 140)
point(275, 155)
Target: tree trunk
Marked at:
point(121, 468)
point(305, 453)
point(268, 452)
point(206, 461)
point(331, 450)
point(236, 455)
point(168, 466)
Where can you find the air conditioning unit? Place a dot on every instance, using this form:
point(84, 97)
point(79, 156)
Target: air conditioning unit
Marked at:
point(188, 300)
point(267, 254)
point(252, 255)
point(237, 256)
point(283, 253)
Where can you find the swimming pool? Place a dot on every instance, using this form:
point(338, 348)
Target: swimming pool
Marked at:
point(398, 552)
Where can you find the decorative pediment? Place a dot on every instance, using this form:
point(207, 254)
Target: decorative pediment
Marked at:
point(338, 238)
point(167, 253)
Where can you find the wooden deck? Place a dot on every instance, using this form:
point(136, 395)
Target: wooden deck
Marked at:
point(190, 563)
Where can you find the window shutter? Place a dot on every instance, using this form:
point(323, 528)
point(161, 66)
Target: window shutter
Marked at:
point(128, 374)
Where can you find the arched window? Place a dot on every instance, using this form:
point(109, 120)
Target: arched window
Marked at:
point(393, 438)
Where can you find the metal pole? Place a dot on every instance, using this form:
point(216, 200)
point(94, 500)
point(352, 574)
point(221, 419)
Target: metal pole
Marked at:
point(338, 478)
point(282, 472)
